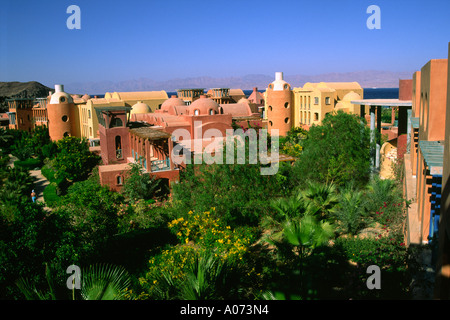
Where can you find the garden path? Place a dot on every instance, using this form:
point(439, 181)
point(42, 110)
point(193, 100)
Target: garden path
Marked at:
point(39, 184)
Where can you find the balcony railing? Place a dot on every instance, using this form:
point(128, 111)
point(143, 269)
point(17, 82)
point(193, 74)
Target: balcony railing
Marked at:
point(159, 165)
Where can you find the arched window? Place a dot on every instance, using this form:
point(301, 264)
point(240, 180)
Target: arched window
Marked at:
point(116, 122)
point(119, 180)
point(196, 112)
point(211, 112)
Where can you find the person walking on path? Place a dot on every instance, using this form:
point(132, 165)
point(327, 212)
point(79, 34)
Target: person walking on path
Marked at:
point(33, 195)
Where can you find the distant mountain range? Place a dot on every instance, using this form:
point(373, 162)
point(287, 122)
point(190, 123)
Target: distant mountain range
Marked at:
point(367, 79)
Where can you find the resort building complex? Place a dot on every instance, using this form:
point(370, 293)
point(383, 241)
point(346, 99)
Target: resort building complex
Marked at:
point(287, 107)
point(145, 127)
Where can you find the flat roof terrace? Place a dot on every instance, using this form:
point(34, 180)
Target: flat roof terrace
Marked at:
point(383, 102)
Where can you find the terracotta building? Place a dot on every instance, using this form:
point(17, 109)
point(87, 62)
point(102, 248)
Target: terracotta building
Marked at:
point(20, 114)
point(137, 135)
point(123, 142)
point(287, 107)
point(442, 285)
point(279, 110)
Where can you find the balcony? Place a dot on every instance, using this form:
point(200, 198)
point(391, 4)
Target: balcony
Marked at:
point(160, 165)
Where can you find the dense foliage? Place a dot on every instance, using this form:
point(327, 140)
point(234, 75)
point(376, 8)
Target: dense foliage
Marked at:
point(337, 151)
point(225, 232)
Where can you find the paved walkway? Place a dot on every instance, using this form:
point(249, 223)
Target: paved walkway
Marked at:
point(39, 185)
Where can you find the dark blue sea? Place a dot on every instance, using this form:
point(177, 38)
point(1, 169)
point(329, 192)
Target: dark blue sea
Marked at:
point(369, 93)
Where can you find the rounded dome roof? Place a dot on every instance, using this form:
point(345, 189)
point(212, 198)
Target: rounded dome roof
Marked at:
point(204, 105)
point(279, 84)
point(86, 97)
point(352, 95)
point(244, 100)
point(140, 107)
point(173, 101)
point(61, 97)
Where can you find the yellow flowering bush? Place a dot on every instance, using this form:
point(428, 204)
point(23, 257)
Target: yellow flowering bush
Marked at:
point(208, 231)
point(292, 149)
point(173, 262)
point(197, 233)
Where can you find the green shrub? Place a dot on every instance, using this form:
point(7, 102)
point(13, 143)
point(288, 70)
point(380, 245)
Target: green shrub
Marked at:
point(28, 164)
point(386, 252)
point(51, 197)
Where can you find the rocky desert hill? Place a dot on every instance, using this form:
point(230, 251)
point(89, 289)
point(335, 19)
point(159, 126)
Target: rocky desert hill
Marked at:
point(15, 89)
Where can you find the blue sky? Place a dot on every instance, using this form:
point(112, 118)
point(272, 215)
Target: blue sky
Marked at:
point(163, 40)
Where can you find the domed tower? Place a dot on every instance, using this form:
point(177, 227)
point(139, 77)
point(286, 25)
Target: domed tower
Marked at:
point(59, 114)
point(279, 106)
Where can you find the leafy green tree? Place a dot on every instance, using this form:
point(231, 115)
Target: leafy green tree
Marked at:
point(74, 161)
point(337, 151)
point(239, 192)
point(22, 245)
point(140, 185)
point(91, 212)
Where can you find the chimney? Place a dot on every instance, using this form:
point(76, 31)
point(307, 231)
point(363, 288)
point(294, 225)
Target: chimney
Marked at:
point(59, 88)
point(278, 75)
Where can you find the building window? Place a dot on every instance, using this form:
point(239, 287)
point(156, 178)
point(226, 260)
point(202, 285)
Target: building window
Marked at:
point(66, 134)
point(119, 147)
point(286, 86)
point(270, 123)
point(65, 118)
point(286, 120)
point(286, 105)
point(270, 108)
point(117, 122)
point(119, 180)
point(196, 112)
point(211, 111)
point(89, 114)
point(327, 100)
point(316, 100)
point(316, 116)
point(62, 99)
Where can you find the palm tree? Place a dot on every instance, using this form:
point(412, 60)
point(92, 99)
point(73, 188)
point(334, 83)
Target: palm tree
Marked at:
point(351, 211)
point(206, 278)
point(304, 235)
point(104, 282)
point(285, 208)
point(322, 198)
point(99, 282)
